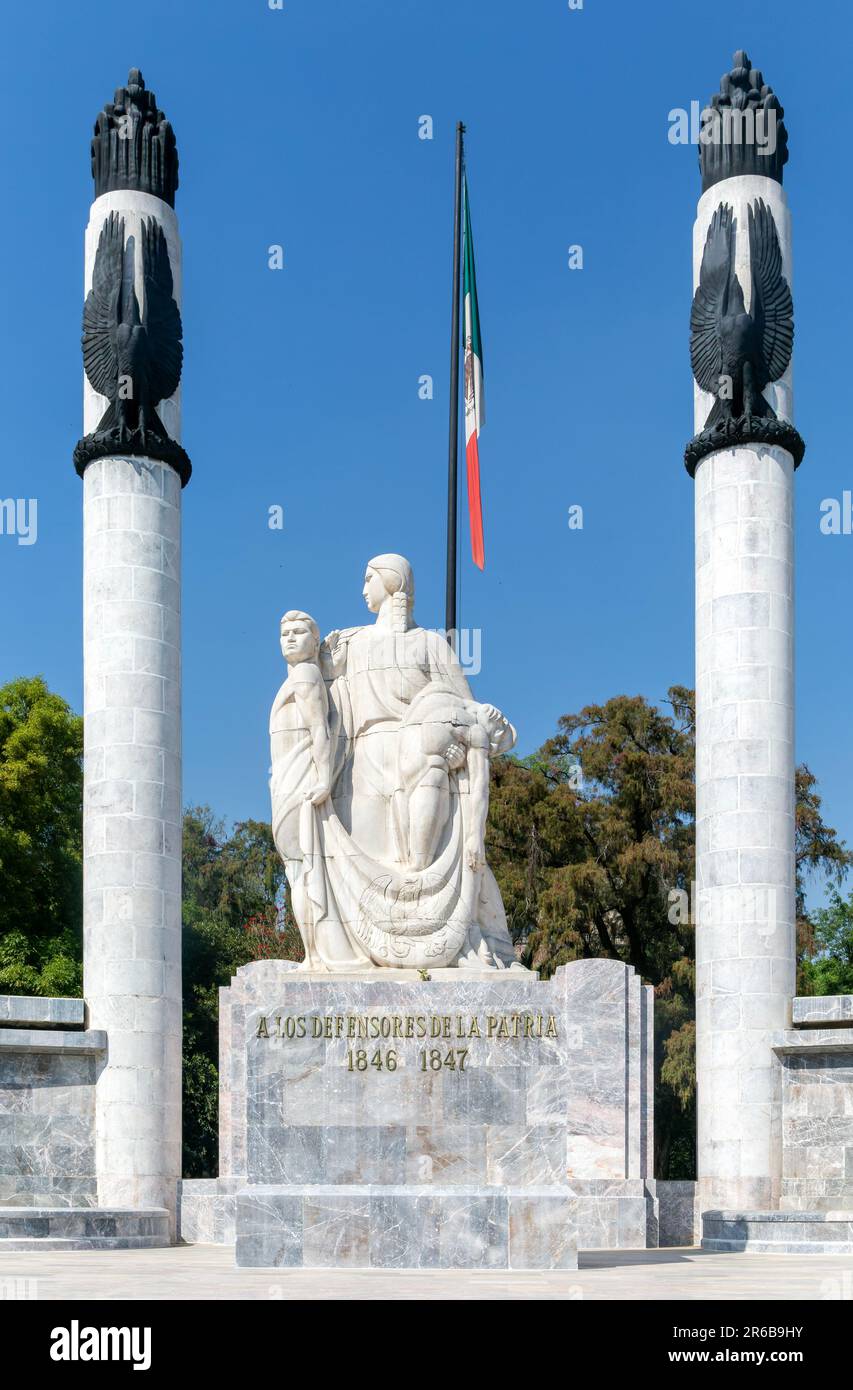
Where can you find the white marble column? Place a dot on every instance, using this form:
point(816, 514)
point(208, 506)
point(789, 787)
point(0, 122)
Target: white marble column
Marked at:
point(132, 786)
point(745, 946)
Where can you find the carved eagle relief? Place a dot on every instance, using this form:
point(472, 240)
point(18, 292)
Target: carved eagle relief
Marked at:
point(735, 354)
point(132, 357)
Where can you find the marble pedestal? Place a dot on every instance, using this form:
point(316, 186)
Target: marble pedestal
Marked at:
point(407, 1226)
point(50, 1062)
point(458, 1122)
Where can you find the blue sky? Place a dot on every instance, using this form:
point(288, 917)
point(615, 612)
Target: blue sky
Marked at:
point(300, 127)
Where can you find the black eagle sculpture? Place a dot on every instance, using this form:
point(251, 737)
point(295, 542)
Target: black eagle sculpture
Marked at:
point(747, 349)
point(736, 354)
point(132, 356)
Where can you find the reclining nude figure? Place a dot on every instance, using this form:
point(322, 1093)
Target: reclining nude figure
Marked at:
point(442, 734)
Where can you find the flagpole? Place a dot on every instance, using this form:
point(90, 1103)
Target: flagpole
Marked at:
point(452, 484)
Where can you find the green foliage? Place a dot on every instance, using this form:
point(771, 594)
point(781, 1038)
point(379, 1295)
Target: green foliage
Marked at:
point(628, 832)
point(35, 964)
point(41, 813)
point(200, 1113)
point(679, 1065)
point(41, 841)
point(818, 849)
point(588, 862)
point(234, 910)
point(588, 837)
point(828, 964)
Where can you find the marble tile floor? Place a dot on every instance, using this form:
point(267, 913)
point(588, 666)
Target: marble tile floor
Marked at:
point(208, 1272)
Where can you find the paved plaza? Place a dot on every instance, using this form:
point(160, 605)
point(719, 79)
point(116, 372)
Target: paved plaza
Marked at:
point(208, 1272)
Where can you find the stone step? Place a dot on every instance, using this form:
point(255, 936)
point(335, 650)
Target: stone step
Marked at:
point(778, 1232)
point(83, 1228)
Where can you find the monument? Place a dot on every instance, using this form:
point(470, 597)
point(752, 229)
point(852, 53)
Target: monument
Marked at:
point(773, 1080)
point(99, 1140)
point(401, 1098)
point(743, 459)
point(133, 469)
point(408, 1095)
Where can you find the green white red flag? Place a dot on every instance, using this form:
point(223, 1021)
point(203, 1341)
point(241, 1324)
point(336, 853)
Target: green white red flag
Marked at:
point(475, 409)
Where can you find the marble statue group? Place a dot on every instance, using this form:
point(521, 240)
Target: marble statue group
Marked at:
point(380, 791)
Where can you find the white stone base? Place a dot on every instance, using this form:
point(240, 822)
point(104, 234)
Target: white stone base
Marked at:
point(83, 1228)
point(386, 1227)
point(779, 1232)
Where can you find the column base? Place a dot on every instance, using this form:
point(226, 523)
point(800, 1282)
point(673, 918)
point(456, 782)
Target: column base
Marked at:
point(737, 1194)
point(83, 1228)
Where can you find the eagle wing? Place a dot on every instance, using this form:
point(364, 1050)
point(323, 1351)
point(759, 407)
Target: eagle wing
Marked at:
point(162, 316)
point(101, 310)
point(706, 354)
point(771, 308)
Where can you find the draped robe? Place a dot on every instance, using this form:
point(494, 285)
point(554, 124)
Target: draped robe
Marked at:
point(355, 898)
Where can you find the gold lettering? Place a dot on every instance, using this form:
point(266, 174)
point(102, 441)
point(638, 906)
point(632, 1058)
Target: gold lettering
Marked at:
point(551, 1030)
point(263, 1031)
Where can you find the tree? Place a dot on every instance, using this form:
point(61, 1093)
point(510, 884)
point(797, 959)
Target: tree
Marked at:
point(589, 835)
point(41, 831)
point(235, 909)
point(818, 849)
point(592, 841)
point(827, 967)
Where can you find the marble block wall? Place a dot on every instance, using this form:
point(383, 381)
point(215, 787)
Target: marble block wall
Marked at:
point(207, 1209)
point(678, 1215)
point(47, 1104)
point(581, 1103)
point(816, 1067)
point(568, 1107)
point(418, 1227)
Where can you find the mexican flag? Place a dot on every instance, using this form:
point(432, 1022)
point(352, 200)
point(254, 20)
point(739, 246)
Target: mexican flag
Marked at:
point(475, 410)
